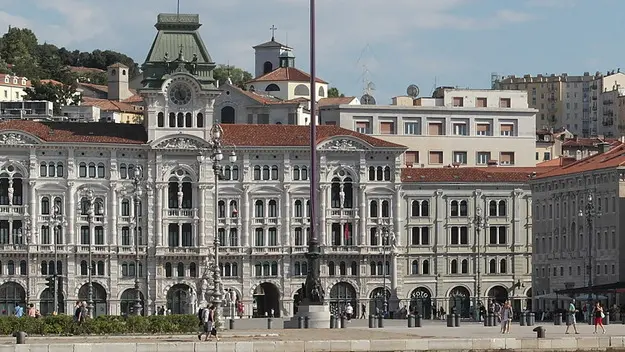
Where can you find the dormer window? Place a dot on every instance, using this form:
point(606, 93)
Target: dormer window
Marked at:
point(6, 79)
point(23, 81)
point(14, 80)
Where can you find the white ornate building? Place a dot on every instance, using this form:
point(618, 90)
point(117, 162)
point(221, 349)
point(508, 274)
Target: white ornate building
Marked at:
point(262, 215)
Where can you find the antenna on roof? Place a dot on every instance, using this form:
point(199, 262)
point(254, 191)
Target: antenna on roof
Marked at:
point(178, 10)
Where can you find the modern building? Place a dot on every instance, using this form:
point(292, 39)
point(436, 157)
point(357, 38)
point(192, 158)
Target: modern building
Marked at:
point(26, 110)
point(413, 237)
point(571, 248)
point(13, 88)
point(458, 127)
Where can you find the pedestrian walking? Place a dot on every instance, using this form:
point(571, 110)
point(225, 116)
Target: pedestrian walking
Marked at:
point(363, 310)
point(572, 311)
point(349, 311)
point(205, 322)
point(599, 315)
point(506, 317)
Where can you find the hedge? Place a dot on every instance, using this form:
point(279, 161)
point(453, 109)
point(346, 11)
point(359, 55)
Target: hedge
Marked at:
point(101, 325)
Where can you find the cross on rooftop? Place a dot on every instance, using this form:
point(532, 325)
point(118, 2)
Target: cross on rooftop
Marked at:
point(273, 30)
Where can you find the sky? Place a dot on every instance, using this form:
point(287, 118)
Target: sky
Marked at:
point(392, 43)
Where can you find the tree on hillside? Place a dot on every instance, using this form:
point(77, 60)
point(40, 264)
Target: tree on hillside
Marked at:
point(59, 94)
point(334, 93)
point(17, 47)
point(238, 76)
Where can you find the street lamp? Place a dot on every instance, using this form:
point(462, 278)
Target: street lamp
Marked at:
point(478, 221)
point(385, 233)
point(90, 196)
point(137, 192)
point(589, 213)
point(216, 155)
point(56, 220)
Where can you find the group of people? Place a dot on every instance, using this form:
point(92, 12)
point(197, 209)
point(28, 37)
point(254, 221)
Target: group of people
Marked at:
point(206, 316)
point(597, 314)
point(32, 312)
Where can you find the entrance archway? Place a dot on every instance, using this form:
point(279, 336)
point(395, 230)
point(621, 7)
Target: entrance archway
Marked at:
point(376, 301)
point(46, 303)
point(11, 294)
point(297, 299)
point(421, 301)
point(341, 294)
point(460, 301)
point(179, 299)
point(127, 302)
point(228, 115)
point(99, 298)
point(266, 300)
point(498, 294)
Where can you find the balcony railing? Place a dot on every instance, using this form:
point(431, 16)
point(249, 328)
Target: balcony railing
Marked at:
point(131, 249)
point(341, 249)
point(189, 250)
point(179, 213)
point(341, 212)
point(266, 221)
point(229, 221)
point(12, 209)
point(299, 249)
point(96, 248)
point(267, 249)
point(13, 247)
point(96, 219)
point(231, 250)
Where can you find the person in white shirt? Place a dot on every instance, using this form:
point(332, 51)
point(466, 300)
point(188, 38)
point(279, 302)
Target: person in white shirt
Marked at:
point(349, 311)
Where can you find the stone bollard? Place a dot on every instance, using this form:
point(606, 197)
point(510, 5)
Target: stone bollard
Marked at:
point(410, 321)
point(450, 320)
point(270, 323)
point(380, 321)
point(372, 322)
point(300, 322)
point(231, 324)
point(20, 337)
point(540, 332)
point(491, 319)
point(343, 322)
point(532, 319)
point(418, 321)
point(456, 320)
point(486, 321)
point(606, 318)
point(557, 319)
point(306, 322)
point(523, 319)
point(332, 321)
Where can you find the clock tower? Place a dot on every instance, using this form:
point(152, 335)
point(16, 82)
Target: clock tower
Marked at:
point(178, 85)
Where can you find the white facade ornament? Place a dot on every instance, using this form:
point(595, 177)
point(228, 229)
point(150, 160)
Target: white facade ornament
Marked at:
point(343, 145)
point(13, 139)
point(179, 143)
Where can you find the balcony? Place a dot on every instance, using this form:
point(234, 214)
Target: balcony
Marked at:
point(267, 250)
point(13, 247)
point(97, 248)
point(131, 249)
point(232, 250)
point(343, 213)
point(49, 248)
point(182, 250)
point(96, 219)
point(266, 221)
point(12, 209)
point(229, 221)
point(179, 213)
point(299, 249)
point(341, 249)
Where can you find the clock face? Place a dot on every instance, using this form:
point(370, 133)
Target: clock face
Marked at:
point(180, 94)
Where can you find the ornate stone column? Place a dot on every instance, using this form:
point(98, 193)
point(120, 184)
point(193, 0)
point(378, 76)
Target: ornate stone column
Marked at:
point(113, 211)
point(71, 213)
point(362, 213)
point(285, 240)
point(322, 226)
point(159, 213)
point(398, 216)
point(201, 233)
point(32, 210)
point(245, 210)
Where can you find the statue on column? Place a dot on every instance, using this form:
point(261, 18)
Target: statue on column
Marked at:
point(11, 190)
point(180, 196)
point(393, 241)
point(341, 197)
point(204, 291)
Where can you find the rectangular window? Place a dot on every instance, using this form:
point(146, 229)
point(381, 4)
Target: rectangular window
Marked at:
point(460, 129)
point(387, 128)
point(483, 129)
point(330, 123)
point(435, 129)
point(481, 103)
point(460, 158)
point(436, 157)
point(547, 156)
point(263, 119)
point(504, 102)
point(506, 158)
point(413, 128)
point(411, 157)
point(458, 102)
point(483, 158)
point(362, 127)
point(506, 130)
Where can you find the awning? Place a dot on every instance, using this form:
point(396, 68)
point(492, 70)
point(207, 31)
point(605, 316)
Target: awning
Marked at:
point(614, 287)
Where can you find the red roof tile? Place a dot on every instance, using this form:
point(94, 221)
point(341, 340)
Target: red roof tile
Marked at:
point(613, 158)
point(74, 132)
point(136, 98)
point(561, 161)
point(111, 105)
point(286, 74)
point(468, 174)
point(335, 101)
point(97, 87)
point(588, 142)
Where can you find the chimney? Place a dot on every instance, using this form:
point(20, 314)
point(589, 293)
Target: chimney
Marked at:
point(603, 147)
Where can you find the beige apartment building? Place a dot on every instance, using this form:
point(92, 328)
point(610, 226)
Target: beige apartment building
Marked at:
point(562, 247)
point(457, 127)
point(12, 88)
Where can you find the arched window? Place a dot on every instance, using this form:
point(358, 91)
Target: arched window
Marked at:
point(82, 170)
point(492, 208)
point(272, 88)
point(373, 209)
point(371, 173)
point(492, 266)
point(299, 209)
point(228, 115)
point(266, 173)
point(267, 67)
point(43, 169)
point(503, 267)
point(322, 92)
point(301, 89)
point(92, 170)
point(304, 173)
point(84, 269)
point(11, 267)
point(354, 268)
point(465, 266)
point(221, 210)
point(193, 270)
point(425, 208)
point(297, 270)
point(180, 119)
point(379, 174)
point(168, 270)
point(426, 267)
point(415, 267)
point(331, 269)
point(259, 209)
point(387, 173)
point(342, 269)
point(100, 170)
point(172, 119)
point(188, 120)
point(45, 206)
point(274, 268)
point(372, 268)
point(161, 119)
point(385, 209)
point(180, 270)
point(274, 172)
point(502, 208)
point(59, 169)
point(257, 173)
point(200, 120)
point(454, 267)
point(273, 209)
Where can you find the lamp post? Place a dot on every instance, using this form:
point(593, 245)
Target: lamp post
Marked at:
point(478, 221)
point(89, 195)
point(216, 156)
point(27, 234)
point(56, 221)
point(589, 213)
point(385, 234)
point(137, 192)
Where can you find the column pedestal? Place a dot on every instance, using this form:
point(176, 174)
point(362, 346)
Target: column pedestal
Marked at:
point(318, 315)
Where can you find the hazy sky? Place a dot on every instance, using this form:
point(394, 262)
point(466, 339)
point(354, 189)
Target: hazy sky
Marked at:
point(398, 42)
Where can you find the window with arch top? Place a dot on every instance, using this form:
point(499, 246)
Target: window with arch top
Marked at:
point(341, 190)
point(267, 67)
point(272, 88)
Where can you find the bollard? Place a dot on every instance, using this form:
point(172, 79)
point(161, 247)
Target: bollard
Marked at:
point(606, 318)
point(557, 319)
point(486, 320)
point(532, 316)
point(491, 319)
point(540, 332)
point(372, 322)
point(380, 321)
point(332, 321)
point(231, 324)
point(20, 337)
point(300, 322)
point(457, 320)
point(306, 322)
point(418, 320)
point(343, 322)
point(269, 323)
point(450, 320)
point(523, 319)
point(411, 321)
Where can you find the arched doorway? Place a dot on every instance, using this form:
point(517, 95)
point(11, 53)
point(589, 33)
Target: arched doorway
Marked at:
point(179, 299)
point(99, 298)
point(498, 294)
point(377, 301)
point(127, 302)
point(228, 115)
point(46, 302)
point(11, 294)
point(266, 300)
point(421, 301)
point(460, 301)
point(341, 294)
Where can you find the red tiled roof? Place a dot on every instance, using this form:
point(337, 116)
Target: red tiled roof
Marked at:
point(588, 142)
point(11, 84)
point(291, 135)
point(614, 157)
point(266, 99)
point(286, 74)
point(74, 132)
point(468, 174)
point(51, 81)
point(80, 69)
point(335, 101)
point(561, 161)
point(111, 105)
point(136, 98)
point(98, 87)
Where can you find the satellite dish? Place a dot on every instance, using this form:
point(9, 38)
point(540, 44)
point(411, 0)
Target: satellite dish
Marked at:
point(412, 91)
point(367, 99)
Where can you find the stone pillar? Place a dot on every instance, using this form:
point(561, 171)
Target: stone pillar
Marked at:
point(32, 210)
point(113, 212)
point(201, 233)
point(322, 225)
point(71, 214)
point(398, 216)
point(362, 228)
point(159, 213)
point(245, 212)
point(285, 240)
point(179, 234)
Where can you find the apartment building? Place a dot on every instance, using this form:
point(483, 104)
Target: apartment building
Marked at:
point(12, 88)
point(460, 127)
